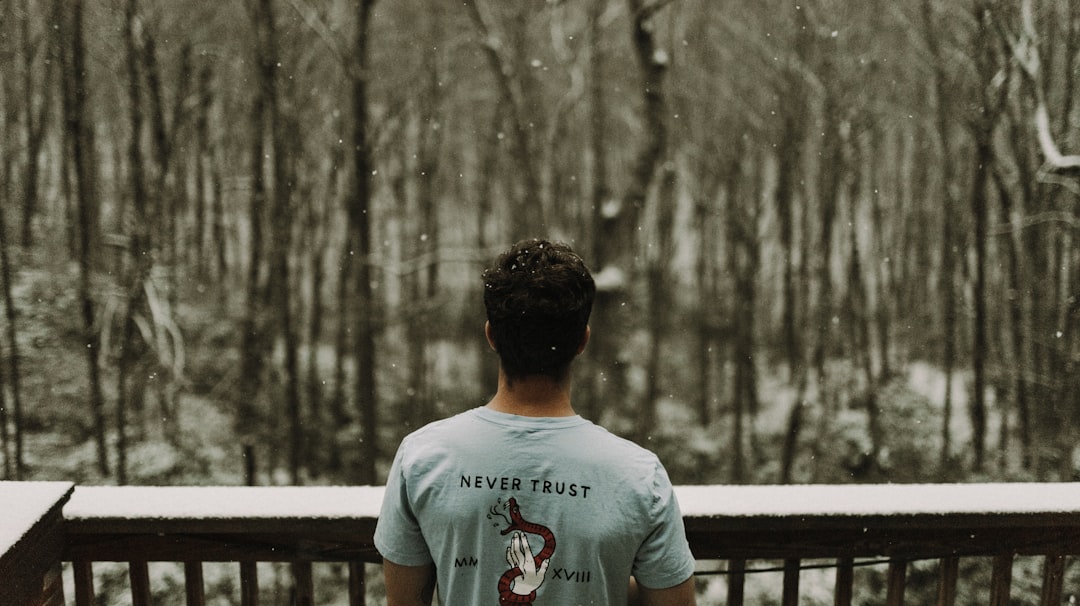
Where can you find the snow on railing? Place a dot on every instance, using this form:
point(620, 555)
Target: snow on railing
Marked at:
point(31, 542)
point(734, 532)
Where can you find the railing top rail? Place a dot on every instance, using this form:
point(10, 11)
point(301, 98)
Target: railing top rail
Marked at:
point(808, 521)
point(31, 539)
point(880, 500)
point(23, 505)
point(196, 503)
point(745, 503)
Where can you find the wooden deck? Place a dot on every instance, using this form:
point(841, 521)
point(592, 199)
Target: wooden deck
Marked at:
point(733, 531)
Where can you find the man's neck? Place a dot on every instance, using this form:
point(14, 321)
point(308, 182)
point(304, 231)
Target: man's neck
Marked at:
point(532, 397)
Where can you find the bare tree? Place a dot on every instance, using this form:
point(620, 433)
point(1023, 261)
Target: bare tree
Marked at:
point(948, 257)
point(79, 143)
point(511, 95)
point(1027, 55)
point(254, 326)
point(659, 252)
point(34, 119)
point(14, 464)
point(617, 231)
point(360, 231)
point(743, 262)
point(1058, 309)
point(139, 260)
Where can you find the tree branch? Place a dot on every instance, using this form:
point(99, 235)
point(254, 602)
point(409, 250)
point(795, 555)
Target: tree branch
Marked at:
point(334, 44)
point(1026, 53)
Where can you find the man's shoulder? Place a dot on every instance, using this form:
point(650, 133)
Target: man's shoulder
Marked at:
point(621, 447)
point(450, 423)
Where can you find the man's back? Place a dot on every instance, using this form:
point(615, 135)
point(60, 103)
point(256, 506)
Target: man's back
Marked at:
point(519, 509)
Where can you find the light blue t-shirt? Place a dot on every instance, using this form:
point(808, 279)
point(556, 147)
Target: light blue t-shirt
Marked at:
point(517, 510)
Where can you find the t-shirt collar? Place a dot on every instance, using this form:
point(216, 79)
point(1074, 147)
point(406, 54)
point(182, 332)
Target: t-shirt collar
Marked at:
point(524, 422)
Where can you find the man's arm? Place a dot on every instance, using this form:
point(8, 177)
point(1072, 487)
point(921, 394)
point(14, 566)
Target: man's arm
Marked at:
point(682, 594)
point(408, 585)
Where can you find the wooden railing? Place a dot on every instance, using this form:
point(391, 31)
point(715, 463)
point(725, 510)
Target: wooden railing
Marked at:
point(31, 543)
point(735, 532)
point(196, 525)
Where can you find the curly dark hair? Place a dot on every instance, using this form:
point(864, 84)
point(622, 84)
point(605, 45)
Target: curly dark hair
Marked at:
point(538, 297)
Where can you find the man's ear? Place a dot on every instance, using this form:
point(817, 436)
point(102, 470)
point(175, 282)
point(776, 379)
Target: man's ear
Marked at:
point(584, 340)
point(488, 335)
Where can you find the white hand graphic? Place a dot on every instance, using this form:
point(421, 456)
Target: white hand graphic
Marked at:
point(519, 555)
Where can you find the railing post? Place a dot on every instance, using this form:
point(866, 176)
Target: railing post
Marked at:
point(83, 572)
point(193, 584)
point(948, 571)
point(249, 583)
point(845, 578)
point(1053, 575)
point(791, 582)
point(303, 584)
point(736, 582)
point(357, 594)
point(1001, 580)
point(897, 583)
point(139, 573)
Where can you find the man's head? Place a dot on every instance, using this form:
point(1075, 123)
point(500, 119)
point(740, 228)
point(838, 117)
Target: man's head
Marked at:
point(538, 297)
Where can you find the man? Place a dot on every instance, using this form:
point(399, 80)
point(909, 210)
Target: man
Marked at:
point(522, 501)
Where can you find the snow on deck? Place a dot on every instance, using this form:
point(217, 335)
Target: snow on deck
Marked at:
point(224, 502)
point(341, 502)
point(23, 504)
point(878, 499)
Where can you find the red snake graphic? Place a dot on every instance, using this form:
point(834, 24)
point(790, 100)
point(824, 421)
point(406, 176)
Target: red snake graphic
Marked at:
point(506, 596)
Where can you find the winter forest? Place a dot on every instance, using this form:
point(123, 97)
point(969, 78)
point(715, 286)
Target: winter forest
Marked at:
point(834, 241)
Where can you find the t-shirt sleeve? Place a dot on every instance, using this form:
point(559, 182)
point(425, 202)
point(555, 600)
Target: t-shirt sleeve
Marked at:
point(664, 559)
point(397, 532)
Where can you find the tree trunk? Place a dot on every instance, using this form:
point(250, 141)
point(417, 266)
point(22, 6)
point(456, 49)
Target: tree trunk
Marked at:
point(831, 171)
point(884, 276)
point(5, 196)
point(979, 202)
point(784, 197)
point(991, 98)
point(859, 313)
point(139, 262)
point(418, 395)
point(5, 435)
point(658, 270)
point(708, 316)
point(600, 349)
point(429, 144)
point(221, 259)
point(80, 144)
point(11, 331)
point(249, 419)
point(743, 262)
point(792, 141)
point(35, 124)
point(203, 157)
point(946, 278)
point(283, 134)
point(1011, 241)
point(617, 230)
point(360, 227)
point(342, 346)
point(600, 191)
point(488, 157)
point(529, 214)
point(318, 217)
